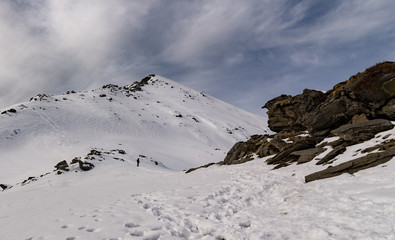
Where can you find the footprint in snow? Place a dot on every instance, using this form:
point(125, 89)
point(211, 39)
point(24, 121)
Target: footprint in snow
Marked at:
point(93, 230)
point(72, 238)
point(131, 225)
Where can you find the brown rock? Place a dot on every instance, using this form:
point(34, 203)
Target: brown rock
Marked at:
point(332, 154)
point(353, 166)
point(308, 154)
point(363, 130)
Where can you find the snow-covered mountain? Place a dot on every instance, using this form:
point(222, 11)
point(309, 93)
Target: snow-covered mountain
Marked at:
point(157, 118)
point(170, 128)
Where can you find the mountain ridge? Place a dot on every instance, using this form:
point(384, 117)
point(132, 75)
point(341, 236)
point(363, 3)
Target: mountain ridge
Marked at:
point(155, 117)
point(344, 130)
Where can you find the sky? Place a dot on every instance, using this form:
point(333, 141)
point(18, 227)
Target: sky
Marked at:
point(242, 52)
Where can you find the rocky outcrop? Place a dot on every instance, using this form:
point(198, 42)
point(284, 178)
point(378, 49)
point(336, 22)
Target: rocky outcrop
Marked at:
point(371, 93)
point(307, 155)
point(354, 111)
point(362, 131)
point(353, 166)
point(242, 151)
point(287, 113)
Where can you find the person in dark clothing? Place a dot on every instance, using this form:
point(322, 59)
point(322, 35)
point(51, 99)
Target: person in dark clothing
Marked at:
point(138, 162)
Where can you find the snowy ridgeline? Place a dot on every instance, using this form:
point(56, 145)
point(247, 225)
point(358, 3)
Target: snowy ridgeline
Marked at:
point(76, 157)
point(157, 118)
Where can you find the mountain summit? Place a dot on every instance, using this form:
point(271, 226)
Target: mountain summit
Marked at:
point(157, 118)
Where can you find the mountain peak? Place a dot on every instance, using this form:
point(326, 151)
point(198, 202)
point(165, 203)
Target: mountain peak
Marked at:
point(155, 117)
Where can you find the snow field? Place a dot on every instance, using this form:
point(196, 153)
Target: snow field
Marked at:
point(246, 201)
point(180, 128)
point(177, 126)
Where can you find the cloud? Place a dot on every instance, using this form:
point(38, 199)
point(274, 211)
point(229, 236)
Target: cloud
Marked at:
point(244, 52)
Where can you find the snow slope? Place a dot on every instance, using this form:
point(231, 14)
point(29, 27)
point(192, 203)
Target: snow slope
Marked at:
point(165, 121)
point(118, 200)
point(249, 201)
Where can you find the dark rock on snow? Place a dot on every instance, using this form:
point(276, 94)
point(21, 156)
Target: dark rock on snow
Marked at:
point(355, 111)
point(362, 131)
point(62, 166)
point(353, 166)
point(371, 93)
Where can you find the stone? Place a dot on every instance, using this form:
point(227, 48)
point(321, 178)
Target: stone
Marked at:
point(362, 131)
point(270, 148)
point(85, 166)
point(286, 112)
point(389, 110)
point(285, 155)
point(194, 169)
point(332, 154)
point(368, 95)
point(242, 151)
point(62, 166)
point(308, 154)
point(358, 118)
point(353, 166)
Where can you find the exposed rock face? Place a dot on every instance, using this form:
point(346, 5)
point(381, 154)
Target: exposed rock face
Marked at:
point(371, 93)
point(354, 111)
point(362, 131)
point(289, 113)
point(242, 151)
point(353, 166)
point(307, 155)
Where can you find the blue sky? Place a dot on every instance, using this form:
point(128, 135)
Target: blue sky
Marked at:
point(242, 52)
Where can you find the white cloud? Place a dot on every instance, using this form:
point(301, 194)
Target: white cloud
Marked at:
point(54, 46)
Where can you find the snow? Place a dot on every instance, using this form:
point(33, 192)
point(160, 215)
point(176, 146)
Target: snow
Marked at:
point(144, 122)
point(118, 200)
point(247, 201)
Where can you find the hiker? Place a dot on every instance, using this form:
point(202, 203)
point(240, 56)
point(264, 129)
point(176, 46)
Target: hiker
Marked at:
point(138, 162)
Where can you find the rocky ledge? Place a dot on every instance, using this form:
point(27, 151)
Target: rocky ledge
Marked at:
point(351, 113)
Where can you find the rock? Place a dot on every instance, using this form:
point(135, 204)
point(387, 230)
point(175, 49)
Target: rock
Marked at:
point(285, 156)
point(62, 166)
point(270, 148)
point(353, 166)
point(369, 94)
point(75, 160)
point(94, 152)
point(389, 109)
point(308, 154)
point(286, 113)
point(194, 169)
point(359, 118)
point(332, 154)
point(242, 151)
point(362, 131)
point(85, 166)
point(3, 186)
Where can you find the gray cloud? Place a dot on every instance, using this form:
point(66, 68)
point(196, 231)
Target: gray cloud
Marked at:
point(244, 52)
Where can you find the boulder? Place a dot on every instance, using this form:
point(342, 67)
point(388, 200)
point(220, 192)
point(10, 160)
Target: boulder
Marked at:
point(270, 148)
point(286, 113)
point(370, 94)
point(363, 130)
point(285, 156)
point(242, 151)
point(85, 166)
point(308, 154)
point(332, 154)
point(62, 166)
point(353, 166)
point(388, 110)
